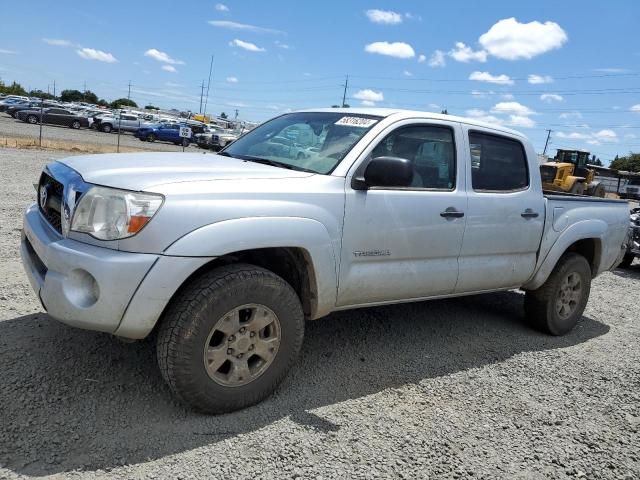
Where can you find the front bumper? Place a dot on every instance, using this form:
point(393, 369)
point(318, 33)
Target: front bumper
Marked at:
point(98, 288)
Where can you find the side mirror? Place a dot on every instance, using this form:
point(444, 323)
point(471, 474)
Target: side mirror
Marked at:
point(385, 172)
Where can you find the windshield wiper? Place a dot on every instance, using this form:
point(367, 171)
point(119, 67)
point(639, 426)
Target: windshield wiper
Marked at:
point(275, 163)
point(225, 154)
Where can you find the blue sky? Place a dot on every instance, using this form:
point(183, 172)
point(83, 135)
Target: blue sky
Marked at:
point(569, 66)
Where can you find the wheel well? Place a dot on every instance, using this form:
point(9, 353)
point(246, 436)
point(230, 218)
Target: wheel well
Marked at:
point(589, 248)
point(291, 263)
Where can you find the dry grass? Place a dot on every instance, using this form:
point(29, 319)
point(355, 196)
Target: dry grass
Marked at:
point(32, 143)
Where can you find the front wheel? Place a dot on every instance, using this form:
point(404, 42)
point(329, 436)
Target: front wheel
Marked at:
point(75, 125)
point(229, 337)
point(557, 305)
point(185, 142)
point(32, 119)
point(151, 138)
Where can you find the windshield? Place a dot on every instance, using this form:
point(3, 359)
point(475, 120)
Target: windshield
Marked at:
point(309, 141)
point(634, 182)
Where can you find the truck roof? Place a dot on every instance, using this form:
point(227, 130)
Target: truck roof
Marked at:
point(406, 113)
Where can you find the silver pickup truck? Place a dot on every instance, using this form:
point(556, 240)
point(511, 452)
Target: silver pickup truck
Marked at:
point(225, 256)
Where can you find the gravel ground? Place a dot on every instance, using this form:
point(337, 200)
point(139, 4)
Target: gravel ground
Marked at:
point(10, 127)
point(446, 389)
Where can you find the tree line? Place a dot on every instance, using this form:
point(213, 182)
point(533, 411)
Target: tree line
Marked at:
point(628, 163)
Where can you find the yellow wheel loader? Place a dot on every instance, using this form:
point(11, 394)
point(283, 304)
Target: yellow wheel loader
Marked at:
point(568, 172)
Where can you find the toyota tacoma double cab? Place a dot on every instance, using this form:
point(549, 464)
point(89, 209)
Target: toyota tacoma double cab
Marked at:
point(223, 257)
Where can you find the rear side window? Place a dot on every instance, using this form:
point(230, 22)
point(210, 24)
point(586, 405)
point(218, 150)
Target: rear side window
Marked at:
point(497, 163)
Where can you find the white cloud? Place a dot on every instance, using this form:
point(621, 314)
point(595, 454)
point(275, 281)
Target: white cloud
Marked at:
point(551, 97)
point(243, 26)
point(635, 108)
point(509, 39)
point(421, 58)
point(369, 95)
point(385, 17)
point(221, 7)
point(481, 94)
point(437, 59)
point(507, 96)
point(57, 42)
point(395, 49)
point(538, 79)
point(465, 54)
point(8, 52)
point(284, 46)
point(434, 106)
point(162, 57)
point(483, 116)
point(520, 121)
point(569, 115)
point(232, 80)
point(237, 104)
point(169, 68)
point(592, 138)
point(251, 47)
point(487, 77)
point(368, 103)
point(407, 73)
point(514, 108)
point(99, 55)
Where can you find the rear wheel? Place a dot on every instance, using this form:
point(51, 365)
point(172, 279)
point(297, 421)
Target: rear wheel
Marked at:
point(106, 128)
point(558, 304)
point(229, 337)
point(185, 142)
point(151, 138)
point(32, 119)
point(577, 188)
point(75, 124)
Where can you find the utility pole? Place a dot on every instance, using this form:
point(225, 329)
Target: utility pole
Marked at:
point(84, 92)
point(206, 100)
point(201, 95)
point(54, 88)
point(544, 152)
point(236, 119)
point(129, 92)
point(344, 93)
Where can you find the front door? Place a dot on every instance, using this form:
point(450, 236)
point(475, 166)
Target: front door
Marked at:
point(505, 216)
point(403, 243)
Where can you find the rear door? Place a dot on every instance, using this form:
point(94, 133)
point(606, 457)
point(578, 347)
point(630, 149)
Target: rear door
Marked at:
point(505, 214)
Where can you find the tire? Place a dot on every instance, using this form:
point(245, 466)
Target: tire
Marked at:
point(75, 125)
point(577, 189)
point(150, 138)
point(106, 128)
point(32, 119)
point(185, 142)
point(599, 192)
point(190, 325)
point(541, 305)
point(627, 260)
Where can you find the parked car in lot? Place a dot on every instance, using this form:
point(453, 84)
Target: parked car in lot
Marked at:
point(53, 116)
point(633, 243)
point(632, 189)
point(14, 109)
point(224, 257)
point(124, 122)
point(164, 132)
point(214, 139)
point(11, 102)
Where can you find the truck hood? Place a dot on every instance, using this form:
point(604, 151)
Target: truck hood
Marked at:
point(141, 171)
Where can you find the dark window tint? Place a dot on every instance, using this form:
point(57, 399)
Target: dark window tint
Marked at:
point(57, 111)
point(430, 149)
point(497, 163)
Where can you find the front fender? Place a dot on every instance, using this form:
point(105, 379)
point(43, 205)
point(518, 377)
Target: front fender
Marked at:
point(586, 229)
point(229, 236)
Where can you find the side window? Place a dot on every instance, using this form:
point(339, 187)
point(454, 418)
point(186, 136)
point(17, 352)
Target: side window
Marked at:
point(431, 149)
point(497, 163)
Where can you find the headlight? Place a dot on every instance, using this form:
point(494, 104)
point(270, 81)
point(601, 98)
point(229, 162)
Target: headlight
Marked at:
point(111, 214)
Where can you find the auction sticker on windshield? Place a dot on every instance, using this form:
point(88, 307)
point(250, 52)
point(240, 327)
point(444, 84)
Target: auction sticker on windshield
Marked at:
point(357, 122)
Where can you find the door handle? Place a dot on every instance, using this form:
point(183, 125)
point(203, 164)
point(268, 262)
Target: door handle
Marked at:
point(528, 213)
point(451, 212)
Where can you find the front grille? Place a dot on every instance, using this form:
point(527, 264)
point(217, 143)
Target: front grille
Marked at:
point(52, 207)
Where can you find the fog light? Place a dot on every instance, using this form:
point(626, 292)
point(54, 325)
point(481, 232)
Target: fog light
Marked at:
point(81, 289)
